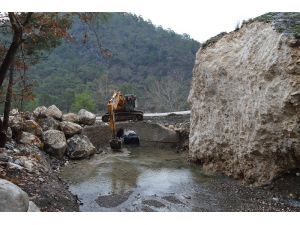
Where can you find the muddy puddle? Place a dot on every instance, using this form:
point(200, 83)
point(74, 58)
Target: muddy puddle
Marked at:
point(150, 179)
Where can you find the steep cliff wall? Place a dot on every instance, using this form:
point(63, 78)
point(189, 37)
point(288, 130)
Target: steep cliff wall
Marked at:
point(245, 98)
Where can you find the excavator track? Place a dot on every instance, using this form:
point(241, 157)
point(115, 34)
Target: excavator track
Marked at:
point(125, 116)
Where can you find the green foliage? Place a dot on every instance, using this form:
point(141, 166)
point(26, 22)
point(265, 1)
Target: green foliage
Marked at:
point(138, 50)
point(83, 101)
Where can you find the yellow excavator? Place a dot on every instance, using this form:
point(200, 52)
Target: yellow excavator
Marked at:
point(120, 108)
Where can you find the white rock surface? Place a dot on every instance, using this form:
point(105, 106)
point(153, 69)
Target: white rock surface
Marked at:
point(55, 143)
point(79, 146)
point(40, 112)
point(30, 139)
point(245, 102)
point(86, 117)
point(54, 112)
point(70, 128)
point(71, 117)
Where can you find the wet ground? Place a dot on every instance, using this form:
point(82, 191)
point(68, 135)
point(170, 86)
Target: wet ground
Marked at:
point(150, 179)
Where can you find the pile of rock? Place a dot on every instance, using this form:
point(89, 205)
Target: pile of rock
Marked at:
point(56, 133)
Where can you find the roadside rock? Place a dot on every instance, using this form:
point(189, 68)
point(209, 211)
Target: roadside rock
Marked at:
point(48, 123)
point(40, 112)
point(30, 139)
point(245, 104)
point(79, 146)
point(71, 117)
point(86, 117)
point(54, 112)
point(55, 143)
point(70, 128)
point(32, 127)
point(13, 198)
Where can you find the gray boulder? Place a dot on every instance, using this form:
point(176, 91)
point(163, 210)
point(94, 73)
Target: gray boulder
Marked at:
point(54, 112)
point(30, 139)
point(40, 112)
point(71, 117)
point(86, 117)
point(48, 123)
point(70, 128)
point(32, 127)
point(12, 198)
point(79, 146)
point(55, 143)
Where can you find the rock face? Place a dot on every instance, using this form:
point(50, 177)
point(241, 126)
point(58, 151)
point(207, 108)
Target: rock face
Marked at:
point(245, 102)
point(80, 147)
point(70, 128)
point(55, 143)
point(12, 198)
point(86, 117)
point(54, 112)
point(70, 117)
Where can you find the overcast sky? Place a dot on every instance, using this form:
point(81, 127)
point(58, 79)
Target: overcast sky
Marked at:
point(201, 19)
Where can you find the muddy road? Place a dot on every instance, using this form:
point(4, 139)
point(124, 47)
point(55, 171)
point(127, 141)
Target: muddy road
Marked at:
point(151, 179)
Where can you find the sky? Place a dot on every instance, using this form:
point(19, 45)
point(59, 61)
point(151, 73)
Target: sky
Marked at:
point(201, 19)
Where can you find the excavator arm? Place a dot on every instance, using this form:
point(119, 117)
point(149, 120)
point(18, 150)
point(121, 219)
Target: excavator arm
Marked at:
point(117, 101)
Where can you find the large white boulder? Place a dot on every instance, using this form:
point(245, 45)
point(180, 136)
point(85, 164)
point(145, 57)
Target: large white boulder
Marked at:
point(54, 112)
point(12, 198)
point(55, 143)
point(71, 117)
point(40, 112)
point(79, 146)
point(70, 128)
point(86, 117)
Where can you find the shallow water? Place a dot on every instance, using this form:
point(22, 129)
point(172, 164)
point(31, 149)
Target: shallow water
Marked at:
point(151, 179)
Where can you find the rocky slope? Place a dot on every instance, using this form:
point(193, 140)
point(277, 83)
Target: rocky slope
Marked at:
point(246, 101)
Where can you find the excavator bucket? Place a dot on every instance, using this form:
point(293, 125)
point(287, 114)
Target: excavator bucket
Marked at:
point(115, 144)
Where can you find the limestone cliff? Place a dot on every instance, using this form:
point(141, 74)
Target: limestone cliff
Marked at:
point(245, 99)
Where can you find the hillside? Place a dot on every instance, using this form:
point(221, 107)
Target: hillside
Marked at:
point(151, 62)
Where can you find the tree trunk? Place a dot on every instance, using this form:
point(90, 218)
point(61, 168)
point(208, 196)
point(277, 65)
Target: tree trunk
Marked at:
point(2, 135)
point(7, 105)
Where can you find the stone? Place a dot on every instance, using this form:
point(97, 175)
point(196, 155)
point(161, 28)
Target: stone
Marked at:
point(30, 139)
point(70, 128)
point(71, 117)
point(245, 105)
point(14, 166)
point(55, 143)
point(32, 127)
point(12, 198)
point(48, 123)
point(32, 207)
point(40, 112)
point(86, 117)
point(16, 122)
point(54, 112)
point(79, 146)
point(9, 133)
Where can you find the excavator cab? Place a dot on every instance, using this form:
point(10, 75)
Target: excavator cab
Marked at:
point(121, 108)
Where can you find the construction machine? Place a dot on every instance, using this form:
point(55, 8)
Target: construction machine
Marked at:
point(120, 108)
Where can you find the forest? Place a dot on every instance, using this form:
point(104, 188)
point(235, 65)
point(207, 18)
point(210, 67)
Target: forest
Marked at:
point(103, 52)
